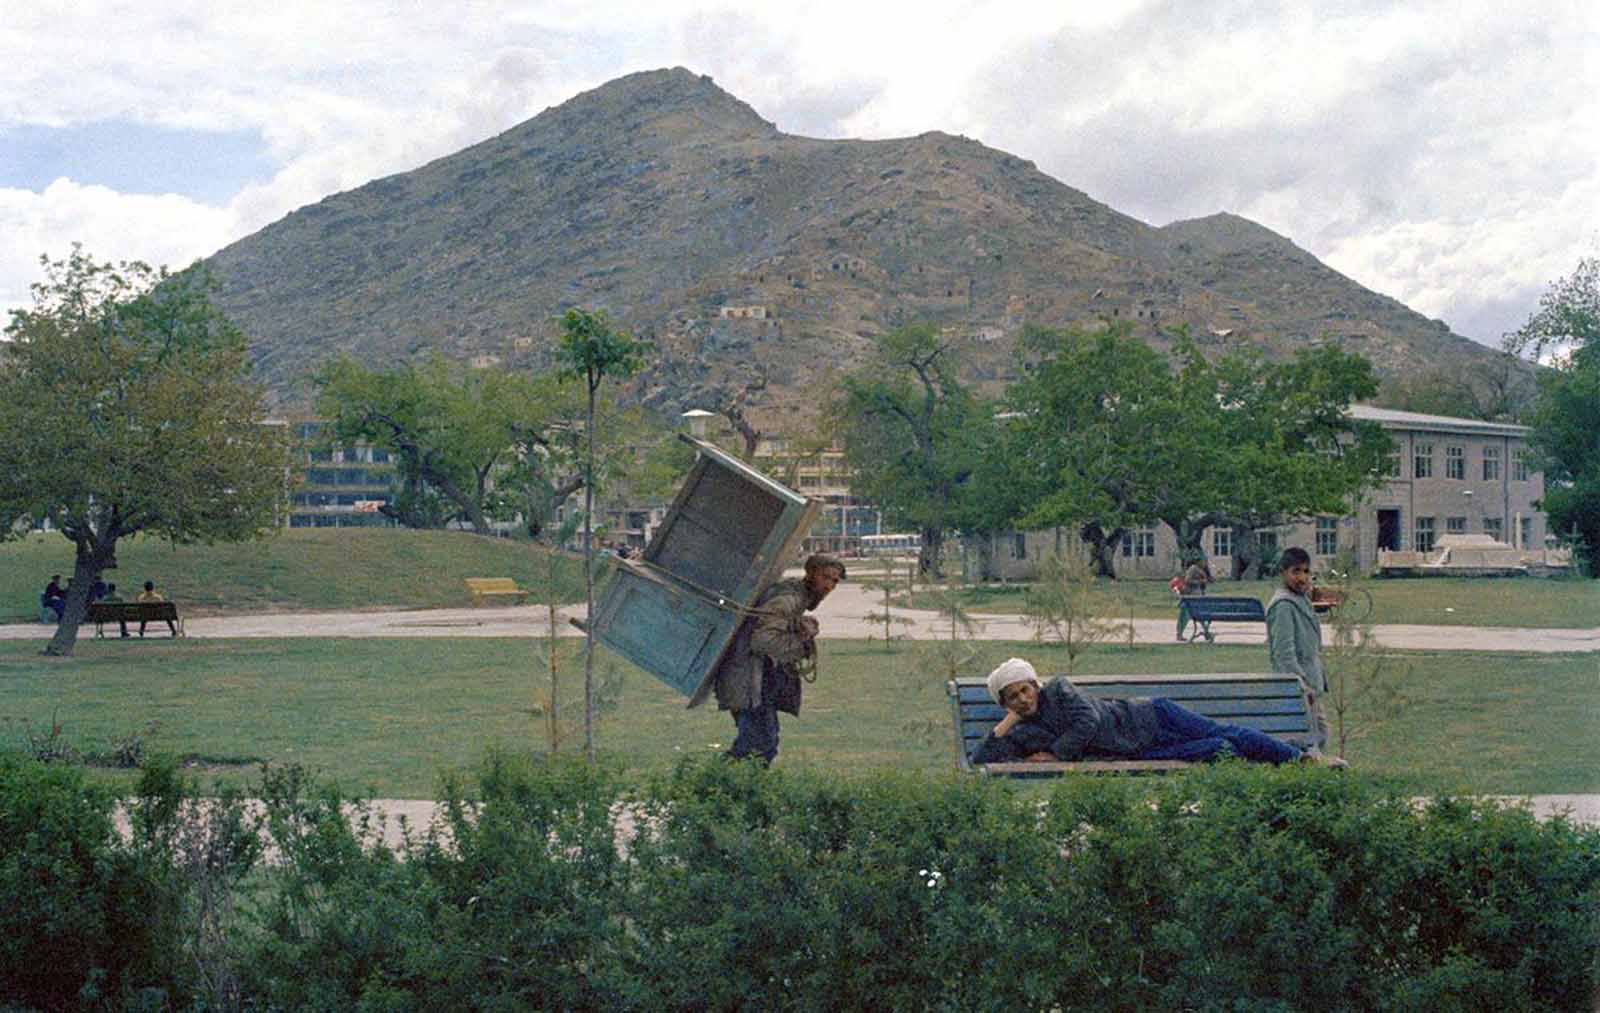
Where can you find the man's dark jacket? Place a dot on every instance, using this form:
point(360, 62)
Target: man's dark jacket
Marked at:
point(1074, 726)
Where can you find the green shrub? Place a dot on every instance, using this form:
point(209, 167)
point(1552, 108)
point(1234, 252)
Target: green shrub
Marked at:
point(75, 901)
point(1247, 885)
point(1235, 886)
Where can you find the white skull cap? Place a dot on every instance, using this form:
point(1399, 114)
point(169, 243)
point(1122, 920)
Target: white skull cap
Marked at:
point(1012, 670)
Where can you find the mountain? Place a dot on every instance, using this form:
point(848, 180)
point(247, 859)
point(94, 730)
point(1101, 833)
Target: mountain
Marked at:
point(740, 249)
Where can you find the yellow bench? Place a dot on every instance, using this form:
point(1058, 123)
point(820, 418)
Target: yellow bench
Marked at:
point(486, 590)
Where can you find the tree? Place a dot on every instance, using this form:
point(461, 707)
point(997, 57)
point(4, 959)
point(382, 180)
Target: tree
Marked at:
point(1097, 435)
point(1276, 442)
point(452, 430)
point(1566, 414)
point(127, 407)
point(1111, 438)
point(591, 349)
point(912, 433)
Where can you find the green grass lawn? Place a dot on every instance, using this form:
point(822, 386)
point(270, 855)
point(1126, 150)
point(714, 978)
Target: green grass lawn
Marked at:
point(383, 716)
point(301, 568)
point(1440, 601)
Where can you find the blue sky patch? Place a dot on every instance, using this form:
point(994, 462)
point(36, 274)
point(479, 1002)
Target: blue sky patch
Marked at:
point(205, 165)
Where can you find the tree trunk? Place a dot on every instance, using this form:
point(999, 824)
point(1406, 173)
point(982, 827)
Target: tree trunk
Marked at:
point(90, 561)
point(986, 557)
point(588, 582)
point(929, 556)
point(1246, 556)
point(1102, 548)
point(473, 509)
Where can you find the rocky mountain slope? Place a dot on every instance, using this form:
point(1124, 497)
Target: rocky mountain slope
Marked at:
point(738, 248)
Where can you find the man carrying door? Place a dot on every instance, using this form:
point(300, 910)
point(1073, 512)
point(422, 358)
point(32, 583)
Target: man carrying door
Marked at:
point(760, 675)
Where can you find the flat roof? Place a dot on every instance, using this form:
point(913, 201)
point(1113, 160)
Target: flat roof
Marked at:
point(1392, 419)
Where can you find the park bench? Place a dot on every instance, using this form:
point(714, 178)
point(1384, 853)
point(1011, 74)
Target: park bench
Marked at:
point(1207, 609)
point(102, 612)
point(490, 589)
point(1269, 703)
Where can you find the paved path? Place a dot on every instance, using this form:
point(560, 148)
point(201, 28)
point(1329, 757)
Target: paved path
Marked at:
point(842, 615)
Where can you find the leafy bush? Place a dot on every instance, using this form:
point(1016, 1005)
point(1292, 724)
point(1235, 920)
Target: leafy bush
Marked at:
point(75, 901)
point(721, 885)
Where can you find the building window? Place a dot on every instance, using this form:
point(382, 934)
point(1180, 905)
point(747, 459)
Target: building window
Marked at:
point(1455, 463)
point(1455, 525)
point(1391, 465)
point(1526, 525)
point(1494, 527)
point(1222, 541)
point(1491, 464)
point(1327, 536)
point(1140, 543)
point(1424, 534)
point(1519, 464)
point(380, 456)
point(321, 456)
point(1422, 461)
point(1019, 546)
point(1267, 542)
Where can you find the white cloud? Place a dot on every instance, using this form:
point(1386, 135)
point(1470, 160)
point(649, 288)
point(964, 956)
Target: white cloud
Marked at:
point(158, 230)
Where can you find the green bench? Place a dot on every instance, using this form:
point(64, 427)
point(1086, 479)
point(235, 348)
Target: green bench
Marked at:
point(1266, 702)
point(1207, 609)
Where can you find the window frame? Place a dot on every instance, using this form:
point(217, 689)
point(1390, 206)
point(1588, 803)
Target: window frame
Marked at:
point(1422, 460)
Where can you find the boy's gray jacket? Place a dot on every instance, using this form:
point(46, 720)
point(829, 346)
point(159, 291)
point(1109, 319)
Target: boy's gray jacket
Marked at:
point(1294, 639)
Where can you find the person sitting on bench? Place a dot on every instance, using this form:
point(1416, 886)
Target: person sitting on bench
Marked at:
point(1055, 722)
point(150, 594)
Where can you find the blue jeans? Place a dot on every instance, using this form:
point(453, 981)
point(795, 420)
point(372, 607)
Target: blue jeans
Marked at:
point(1185, 735)
point(758, 726)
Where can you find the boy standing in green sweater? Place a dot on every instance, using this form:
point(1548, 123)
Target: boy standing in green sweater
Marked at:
point(1294, 636)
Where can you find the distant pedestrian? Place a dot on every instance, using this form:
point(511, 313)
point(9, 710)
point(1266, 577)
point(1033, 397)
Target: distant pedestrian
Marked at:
point(1193, 582)
point(1294, 636)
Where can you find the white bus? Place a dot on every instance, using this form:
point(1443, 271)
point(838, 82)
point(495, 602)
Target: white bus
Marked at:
point(890, 545)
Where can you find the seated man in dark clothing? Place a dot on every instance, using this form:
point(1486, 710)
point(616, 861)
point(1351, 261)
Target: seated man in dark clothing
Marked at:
point(54, 597)
point(1056, 722)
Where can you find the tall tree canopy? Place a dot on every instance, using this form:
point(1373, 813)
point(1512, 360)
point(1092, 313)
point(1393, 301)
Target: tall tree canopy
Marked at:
point(1113, 438)
point(1566, 415)
point(913, 434)
point(127, 407)
point(490, 442)
point(1100, 435)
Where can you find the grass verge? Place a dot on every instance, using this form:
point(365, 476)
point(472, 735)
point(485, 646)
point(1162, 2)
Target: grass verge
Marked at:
point(384, 716)
point(300, 569)
point(1557, 603)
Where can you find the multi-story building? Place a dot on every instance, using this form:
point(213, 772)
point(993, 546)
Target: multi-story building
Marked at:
point(1446, 476)
point(343, 487)
point(821, 473)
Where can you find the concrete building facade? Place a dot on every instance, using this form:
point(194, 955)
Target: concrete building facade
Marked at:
point(1448, 476)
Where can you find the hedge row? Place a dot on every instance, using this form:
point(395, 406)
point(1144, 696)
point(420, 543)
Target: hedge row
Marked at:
point(1232, 887)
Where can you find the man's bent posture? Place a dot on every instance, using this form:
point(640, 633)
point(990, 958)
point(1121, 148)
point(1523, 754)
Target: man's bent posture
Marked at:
point(760, 674)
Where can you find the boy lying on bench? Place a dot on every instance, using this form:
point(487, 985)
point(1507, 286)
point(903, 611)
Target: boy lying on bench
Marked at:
point(1055, 722)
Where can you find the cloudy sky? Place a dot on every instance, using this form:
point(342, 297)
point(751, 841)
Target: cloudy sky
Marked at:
point(1445, 153)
